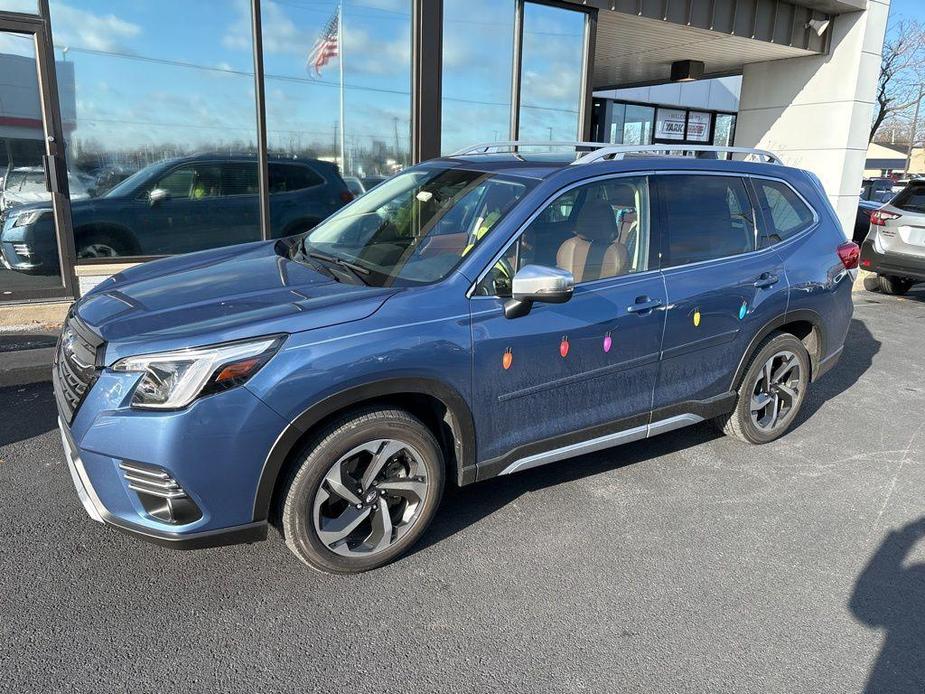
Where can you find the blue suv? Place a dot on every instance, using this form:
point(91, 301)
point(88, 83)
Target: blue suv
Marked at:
point(473, 316)
point(177, 206)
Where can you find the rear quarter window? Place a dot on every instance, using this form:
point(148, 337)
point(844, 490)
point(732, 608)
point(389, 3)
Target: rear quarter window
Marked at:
point(285, 178)
point(785, 212)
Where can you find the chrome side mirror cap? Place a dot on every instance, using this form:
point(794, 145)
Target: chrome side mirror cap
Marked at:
point(550, 285)
point(157, 195)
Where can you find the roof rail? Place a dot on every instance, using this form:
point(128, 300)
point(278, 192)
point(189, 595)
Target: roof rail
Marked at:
point(616, 152)
point(603, 151)
point(494, 147)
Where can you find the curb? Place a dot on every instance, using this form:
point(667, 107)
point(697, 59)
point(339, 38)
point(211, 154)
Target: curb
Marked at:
point(26, 366)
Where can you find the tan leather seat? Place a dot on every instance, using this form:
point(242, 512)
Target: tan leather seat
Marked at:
point(594, 252)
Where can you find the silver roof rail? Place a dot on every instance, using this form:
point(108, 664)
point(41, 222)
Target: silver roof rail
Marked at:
point(495, 147)
point(603, 151)
point(617, 152)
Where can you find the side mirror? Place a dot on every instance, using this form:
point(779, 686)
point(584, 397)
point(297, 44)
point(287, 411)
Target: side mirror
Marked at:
point(549, 285)
point(157, 196)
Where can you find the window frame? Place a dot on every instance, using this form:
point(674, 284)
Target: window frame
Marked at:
point(761, 221)
point(654, 235)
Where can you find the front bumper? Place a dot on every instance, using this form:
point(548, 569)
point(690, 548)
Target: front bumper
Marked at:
point(892, 264)
point(251, 532)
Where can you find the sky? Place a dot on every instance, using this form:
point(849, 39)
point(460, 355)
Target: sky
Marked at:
point(907, 9)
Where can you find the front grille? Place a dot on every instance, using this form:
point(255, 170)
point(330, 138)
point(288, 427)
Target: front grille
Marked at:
point(76, 365)
point(22, 249)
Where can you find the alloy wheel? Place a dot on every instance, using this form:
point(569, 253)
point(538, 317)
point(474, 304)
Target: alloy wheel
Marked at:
point(370, 498)
point(97, 250)
point(777, 391)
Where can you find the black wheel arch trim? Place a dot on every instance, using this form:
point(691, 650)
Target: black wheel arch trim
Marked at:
point(456, 407)
point(798, 315)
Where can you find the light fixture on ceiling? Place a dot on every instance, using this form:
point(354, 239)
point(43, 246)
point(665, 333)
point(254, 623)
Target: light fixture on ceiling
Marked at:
point(686, 70)
point(818, 25)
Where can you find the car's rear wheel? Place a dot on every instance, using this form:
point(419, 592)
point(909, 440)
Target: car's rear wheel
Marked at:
point(771, 393)
point(365, 490)
point(894, 285)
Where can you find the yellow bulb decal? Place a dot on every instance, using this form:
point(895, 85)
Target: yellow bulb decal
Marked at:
point(697, 318)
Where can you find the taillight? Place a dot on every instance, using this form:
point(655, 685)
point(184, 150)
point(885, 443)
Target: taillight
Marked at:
point(850, 254)
point(881, 217)
point(346, 196)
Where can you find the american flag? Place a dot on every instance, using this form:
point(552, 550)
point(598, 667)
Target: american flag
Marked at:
point(325, 48)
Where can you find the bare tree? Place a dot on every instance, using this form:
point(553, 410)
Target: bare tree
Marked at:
point(902, 72)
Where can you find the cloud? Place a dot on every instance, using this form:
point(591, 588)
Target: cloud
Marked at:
point(73, 27)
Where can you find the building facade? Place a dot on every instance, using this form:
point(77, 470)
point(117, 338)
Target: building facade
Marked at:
point(98, 96)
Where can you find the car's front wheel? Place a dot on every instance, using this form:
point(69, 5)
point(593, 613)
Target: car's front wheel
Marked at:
point(363, 492)
point(771, 392)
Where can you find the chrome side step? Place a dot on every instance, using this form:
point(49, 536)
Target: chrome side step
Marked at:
point(602, 442)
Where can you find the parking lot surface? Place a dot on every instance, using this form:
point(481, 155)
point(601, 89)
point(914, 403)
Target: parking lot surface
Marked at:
point(686, 563)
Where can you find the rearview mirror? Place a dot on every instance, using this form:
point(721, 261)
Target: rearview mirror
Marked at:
point(157, 195)
point(550, 285)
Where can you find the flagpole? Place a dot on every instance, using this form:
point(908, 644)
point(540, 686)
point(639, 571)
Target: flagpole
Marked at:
point(340, 54)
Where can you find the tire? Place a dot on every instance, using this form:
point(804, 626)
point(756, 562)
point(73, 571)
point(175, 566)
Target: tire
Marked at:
point(786, 397)
point(872, 283)
point(101, 244)
point(894, 285)
point(318, 503)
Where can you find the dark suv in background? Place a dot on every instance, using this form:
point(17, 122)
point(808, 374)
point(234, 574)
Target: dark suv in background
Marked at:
point(178, 206)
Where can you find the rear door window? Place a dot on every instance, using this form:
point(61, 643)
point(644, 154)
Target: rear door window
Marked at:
point(785, 212)
point(911, 198)
point(704, 217)
point(285, 178)
point(239, 179)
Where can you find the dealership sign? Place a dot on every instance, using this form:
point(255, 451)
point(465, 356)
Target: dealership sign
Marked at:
point(698, 126)
point(669, 124)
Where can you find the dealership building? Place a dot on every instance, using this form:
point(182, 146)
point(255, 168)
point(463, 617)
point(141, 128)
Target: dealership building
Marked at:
point(94, 93)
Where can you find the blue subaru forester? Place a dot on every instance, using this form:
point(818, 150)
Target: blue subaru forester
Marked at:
point(471, 317)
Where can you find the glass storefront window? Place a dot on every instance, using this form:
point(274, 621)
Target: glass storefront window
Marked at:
point(24, 6)
point(302, 65)
point(551, 67)
point(478, 49)
point(637, 125)
point(28, 243)
point(150, 91)
point(725, 129)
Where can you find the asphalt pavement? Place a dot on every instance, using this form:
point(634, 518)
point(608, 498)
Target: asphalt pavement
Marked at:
point(686, 563)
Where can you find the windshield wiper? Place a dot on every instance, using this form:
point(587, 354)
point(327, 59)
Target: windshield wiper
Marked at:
point(358, 270)
point(298, 254)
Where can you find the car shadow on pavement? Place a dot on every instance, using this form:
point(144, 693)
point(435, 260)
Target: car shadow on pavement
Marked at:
point(465, 506)
point(890, 595)
point(860, 348)
point(31, 412)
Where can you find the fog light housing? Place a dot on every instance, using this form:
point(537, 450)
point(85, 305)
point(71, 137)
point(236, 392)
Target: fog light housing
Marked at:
point(160, 494)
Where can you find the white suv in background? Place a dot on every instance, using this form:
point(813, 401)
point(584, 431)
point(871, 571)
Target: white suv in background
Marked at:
point(895, 246)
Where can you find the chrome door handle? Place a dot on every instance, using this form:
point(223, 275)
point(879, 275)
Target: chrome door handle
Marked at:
point(768, 279)
point(643, 305)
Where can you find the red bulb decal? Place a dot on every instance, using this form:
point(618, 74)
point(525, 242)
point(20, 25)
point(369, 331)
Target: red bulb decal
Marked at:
point(608, 342)
point(563, 347)
point(507, 359)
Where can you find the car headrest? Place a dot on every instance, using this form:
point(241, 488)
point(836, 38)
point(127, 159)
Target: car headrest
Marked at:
point(596, 222)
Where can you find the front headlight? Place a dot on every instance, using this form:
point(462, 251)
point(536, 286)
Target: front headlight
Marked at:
point(30, 217)
point(172, 380)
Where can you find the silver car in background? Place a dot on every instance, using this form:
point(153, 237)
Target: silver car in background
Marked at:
point(895, 245)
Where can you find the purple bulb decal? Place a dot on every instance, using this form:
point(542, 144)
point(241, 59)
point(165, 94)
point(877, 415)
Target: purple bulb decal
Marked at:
point(608, 342)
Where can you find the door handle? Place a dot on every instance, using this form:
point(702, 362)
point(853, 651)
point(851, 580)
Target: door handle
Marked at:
point(768, 279)
point(643, 305)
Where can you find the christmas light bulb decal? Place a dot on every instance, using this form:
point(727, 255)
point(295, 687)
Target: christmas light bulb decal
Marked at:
point(743, 310)
point(608, 342)
point(507, 359)
point(697, 318)
point(563, 346)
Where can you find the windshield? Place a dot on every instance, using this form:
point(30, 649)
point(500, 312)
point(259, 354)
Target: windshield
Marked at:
point(129, 183)
point(417, 226)
point(26, 181)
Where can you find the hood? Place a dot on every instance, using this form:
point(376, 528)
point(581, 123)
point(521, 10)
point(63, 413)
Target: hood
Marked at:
point(219, 295)
point(33, 200)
